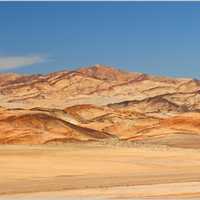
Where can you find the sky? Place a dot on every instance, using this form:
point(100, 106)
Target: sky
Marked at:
point(152, 37)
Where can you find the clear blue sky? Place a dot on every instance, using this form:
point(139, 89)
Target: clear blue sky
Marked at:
point(157, 38)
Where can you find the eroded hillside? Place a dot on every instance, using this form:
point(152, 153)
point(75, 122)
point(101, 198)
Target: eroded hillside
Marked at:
point(98, 103)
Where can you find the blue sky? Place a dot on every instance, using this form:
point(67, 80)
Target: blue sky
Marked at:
point(157, 38)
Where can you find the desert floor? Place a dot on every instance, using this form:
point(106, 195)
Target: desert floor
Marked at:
point(96, 172)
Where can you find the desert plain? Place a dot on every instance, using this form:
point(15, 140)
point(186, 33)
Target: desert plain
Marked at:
point(97, 171)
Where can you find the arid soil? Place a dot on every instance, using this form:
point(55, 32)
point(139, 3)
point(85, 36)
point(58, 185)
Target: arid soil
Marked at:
point(104, 171)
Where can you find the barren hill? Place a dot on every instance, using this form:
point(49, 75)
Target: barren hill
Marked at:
point(99, 102)
point(38, 127)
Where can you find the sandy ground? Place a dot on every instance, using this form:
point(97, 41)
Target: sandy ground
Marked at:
point(86, 172)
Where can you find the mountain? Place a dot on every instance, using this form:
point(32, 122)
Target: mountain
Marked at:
point(99, 102)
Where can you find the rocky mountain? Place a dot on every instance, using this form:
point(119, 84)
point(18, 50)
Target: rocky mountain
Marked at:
point(99, 102)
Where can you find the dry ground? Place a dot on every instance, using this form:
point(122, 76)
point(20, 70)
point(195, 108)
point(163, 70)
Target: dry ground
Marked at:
point(105, 172)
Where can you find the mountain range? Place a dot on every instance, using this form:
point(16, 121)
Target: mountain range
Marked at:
point(99, 103)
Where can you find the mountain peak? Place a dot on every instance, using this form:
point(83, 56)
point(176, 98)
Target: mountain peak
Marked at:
point(106, 73)
point(99, 67)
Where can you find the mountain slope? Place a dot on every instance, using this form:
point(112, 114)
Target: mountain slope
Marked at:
point(99, 85)
point(38, 127)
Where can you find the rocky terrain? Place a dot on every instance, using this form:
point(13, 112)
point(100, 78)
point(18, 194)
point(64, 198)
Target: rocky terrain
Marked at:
point(99, 103)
